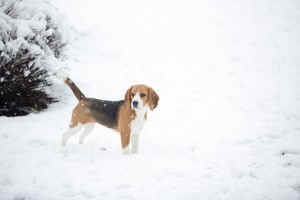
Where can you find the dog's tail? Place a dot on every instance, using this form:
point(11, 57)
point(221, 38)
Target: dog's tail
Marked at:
point(77, 92)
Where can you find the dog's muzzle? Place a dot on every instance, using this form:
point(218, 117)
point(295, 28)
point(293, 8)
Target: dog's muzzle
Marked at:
point(135, 104)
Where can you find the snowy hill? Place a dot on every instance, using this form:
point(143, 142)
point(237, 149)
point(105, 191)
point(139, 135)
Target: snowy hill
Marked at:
point(227, 125)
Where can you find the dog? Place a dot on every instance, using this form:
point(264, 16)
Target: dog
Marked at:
point(127, 116)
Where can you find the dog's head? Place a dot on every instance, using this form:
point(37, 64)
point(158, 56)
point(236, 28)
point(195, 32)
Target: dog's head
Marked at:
point(139, 97)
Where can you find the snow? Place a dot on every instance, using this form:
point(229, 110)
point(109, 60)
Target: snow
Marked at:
point(27, 26)
point(1, 45)
point(227, 124)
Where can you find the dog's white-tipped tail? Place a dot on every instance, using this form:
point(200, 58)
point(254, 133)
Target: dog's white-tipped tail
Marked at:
point(78, 94)
point(61, 76)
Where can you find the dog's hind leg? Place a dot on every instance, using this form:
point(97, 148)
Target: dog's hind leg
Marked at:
point(69, 133)
point(87, 130)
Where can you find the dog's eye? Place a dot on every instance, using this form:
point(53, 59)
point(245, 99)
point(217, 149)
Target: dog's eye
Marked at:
point(143, 95)
point(132, 94)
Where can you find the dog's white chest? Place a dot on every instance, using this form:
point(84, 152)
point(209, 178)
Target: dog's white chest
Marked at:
point(137, 125)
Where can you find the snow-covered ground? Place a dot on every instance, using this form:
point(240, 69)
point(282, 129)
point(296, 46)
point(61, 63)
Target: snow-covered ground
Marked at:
point(227, 125)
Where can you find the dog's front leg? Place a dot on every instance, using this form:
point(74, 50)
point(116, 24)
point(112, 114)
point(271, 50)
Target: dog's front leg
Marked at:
point(135, 142)
point(125, 139)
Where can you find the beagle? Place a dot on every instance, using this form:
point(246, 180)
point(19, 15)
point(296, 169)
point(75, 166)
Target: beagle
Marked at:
point(126, 116)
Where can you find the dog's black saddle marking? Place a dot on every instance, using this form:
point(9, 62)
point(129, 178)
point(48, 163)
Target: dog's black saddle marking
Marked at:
point(105, 112)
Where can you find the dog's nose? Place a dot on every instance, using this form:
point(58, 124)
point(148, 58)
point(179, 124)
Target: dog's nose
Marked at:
point(135, 103)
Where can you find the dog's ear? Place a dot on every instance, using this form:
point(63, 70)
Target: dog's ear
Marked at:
point(127, 97)
point(153, 99)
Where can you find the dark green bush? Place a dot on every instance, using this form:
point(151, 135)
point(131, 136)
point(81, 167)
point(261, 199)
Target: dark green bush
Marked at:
point(31, 41)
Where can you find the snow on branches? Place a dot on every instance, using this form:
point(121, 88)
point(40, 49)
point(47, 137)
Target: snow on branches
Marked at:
point(32, 40)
